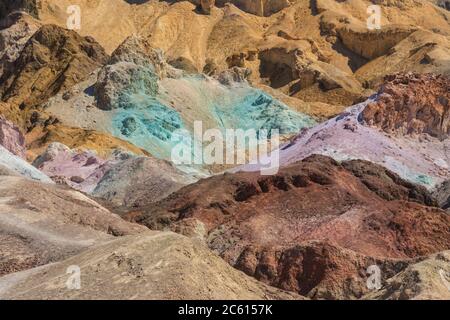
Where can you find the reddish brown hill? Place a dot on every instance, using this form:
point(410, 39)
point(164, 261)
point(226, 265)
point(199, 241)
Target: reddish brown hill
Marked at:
point(264, 225)
point(412, 103)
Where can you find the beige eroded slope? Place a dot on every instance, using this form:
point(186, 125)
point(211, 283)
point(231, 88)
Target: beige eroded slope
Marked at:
point(108, 21)
point(153, 265)
point(42, 223)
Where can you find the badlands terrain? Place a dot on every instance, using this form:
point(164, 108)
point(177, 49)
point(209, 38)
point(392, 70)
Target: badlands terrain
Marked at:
point(95, 95)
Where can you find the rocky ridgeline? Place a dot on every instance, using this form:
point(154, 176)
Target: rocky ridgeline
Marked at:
point(30, 6)
point(412, 104)
point(12, 138)
point(123, 179)
point(150, 98)
point(325, 65)
point(135, 60)
point(313, 229)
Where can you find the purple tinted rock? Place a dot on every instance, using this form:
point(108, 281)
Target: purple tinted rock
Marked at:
point(420, 159)
point(11, 138)
point(69, 166)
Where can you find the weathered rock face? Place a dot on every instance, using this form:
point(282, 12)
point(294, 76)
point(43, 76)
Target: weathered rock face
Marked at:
point(43, 223)
point(442, 195)
point(122, 178)
point(317, 269)
point(153, 265)
point(139, 51)
point(30, 6)
point(133, 61)
point(15, 30)
point(79, 170)
point(422, 52)
point(233, 75)
point(258, 7)
point(425, 280)
point(255, 222)
point(304, 68)
point(11, 164)
point(262, 8)
point(11, 138)
point(47, 133)
point(412, 104)
point(207, 5)
point(54, 59)
point(374, 44)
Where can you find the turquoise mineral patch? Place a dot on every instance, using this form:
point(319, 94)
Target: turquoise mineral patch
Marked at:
point(149, 127)
point(144, 120)
point(257, 110)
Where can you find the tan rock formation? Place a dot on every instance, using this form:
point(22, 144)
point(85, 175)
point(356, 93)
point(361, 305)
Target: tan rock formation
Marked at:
point(258, 7)
point(53, 60)
point(154, 265)
point(421, 52)
point(42, 223)
point(75, 138)
point(15, 31)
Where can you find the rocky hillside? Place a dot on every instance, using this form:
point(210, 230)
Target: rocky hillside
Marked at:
point(315, 51)
point(425, 280)
point(44, 223)
point(412, 104)
point(123, 179)
point(264, 225)
point(153, 265)
point(52, 60)
point(400, 128)
point(93, 118)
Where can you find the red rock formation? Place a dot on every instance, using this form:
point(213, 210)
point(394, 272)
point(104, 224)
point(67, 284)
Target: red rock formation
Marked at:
point(257, 222)
point(317, 269)
point(412, 103)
